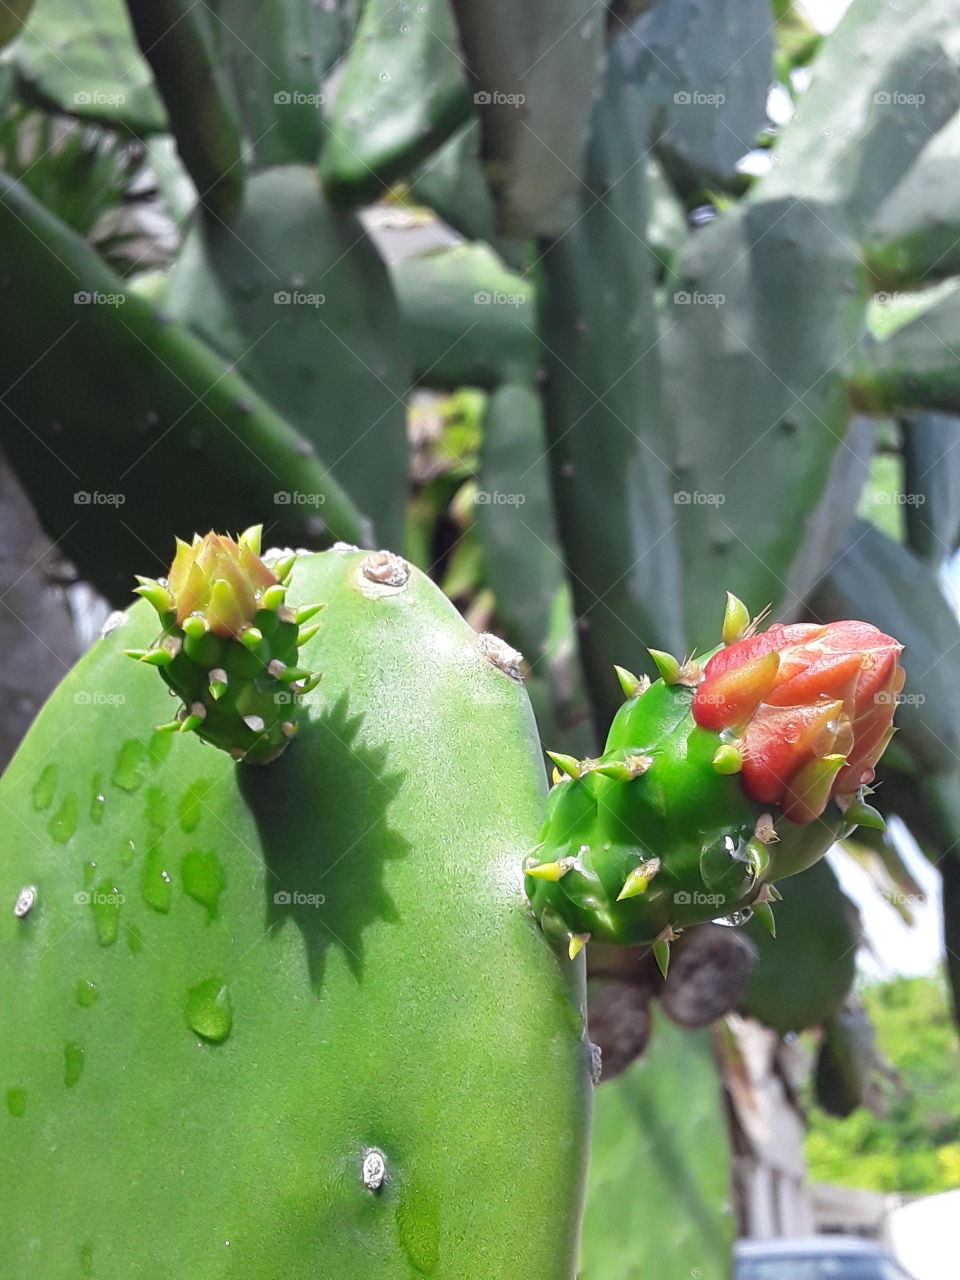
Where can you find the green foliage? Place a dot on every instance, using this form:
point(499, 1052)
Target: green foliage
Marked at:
point(914, 1147)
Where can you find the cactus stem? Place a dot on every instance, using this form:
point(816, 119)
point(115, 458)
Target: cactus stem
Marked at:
point(577, 942)
point(309, 685)
point(639, 879)
point(727, 759)
point(764, 913)
point(736, 620)
point(552, 870)
point(290, 675)
point(251, 637)
point(307, 612)
point(569, 765)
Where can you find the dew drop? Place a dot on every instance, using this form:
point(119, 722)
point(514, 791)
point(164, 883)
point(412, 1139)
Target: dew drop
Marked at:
point(127, 852)
point(203, 879)
point(209, 1010)
point(26, 899)
point(128, 772)
point(735, 919)
point(44, 788)
point(16, 1101)
point(72, 1063)
point(105, 903)
point(97, 800)
point(64, 822)
point(154, 880)
point(86, 993)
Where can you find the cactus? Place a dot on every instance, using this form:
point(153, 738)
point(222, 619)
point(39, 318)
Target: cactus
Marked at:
point(708, 776)
point(314, 983)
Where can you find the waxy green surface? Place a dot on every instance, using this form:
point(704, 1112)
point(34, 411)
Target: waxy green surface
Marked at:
point(235, 980)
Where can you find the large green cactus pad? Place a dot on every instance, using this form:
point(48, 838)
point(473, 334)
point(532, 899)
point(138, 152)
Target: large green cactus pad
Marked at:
point(315, 963)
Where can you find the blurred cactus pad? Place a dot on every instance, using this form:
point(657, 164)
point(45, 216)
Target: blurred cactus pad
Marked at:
point(562, 319)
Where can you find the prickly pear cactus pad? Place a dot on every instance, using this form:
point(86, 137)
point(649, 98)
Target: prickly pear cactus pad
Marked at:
point(293, 1019)
point(715, 780)
point(230, 645)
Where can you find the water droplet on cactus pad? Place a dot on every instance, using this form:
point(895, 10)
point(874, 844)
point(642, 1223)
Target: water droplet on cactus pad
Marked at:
point(72, 1064)
point(97, 801)
point(209, 1010)
point(191, 805)
point(203, 879)
point(155, 881)
point(64, 822)
point(86, 993)
point(16, 1101)
point(105, 903)
point(128, 772)
point(127, 851)
point(44, 788)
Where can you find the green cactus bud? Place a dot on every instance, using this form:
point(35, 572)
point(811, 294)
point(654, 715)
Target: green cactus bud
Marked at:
point(229, 646)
